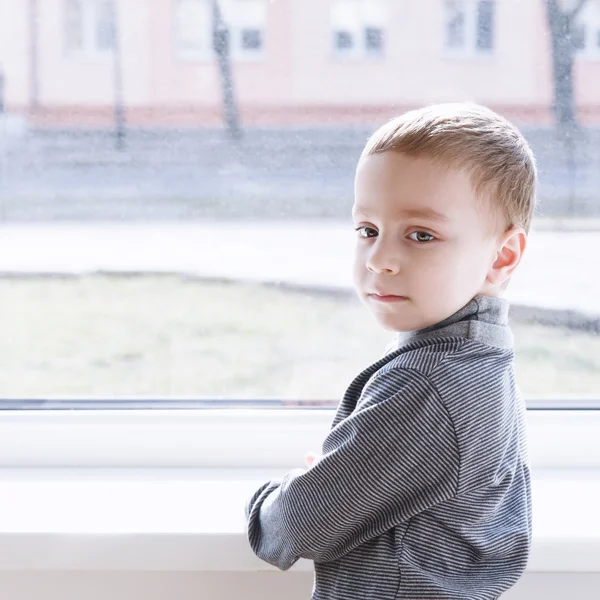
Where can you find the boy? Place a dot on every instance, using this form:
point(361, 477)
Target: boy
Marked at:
point(423, 486)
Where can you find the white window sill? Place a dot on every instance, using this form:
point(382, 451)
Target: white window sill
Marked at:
point(91, 57)
point(341, 57)
point(235, 438)
point(193, 520)
point(478, 55)
point(211, 57)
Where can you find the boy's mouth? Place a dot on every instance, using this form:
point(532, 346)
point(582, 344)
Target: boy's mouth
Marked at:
point(387, 298)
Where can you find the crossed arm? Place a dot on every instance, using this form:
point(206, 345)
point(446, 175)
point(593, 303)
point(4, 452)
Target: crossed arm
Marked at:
point(395, 456)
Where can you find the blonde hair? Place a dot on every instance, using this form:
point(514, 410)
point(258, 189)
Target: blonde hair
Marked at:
point(472, 137)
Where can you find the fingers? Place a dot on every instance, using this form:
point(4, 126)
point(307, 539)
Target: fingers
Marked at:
point(312, 458)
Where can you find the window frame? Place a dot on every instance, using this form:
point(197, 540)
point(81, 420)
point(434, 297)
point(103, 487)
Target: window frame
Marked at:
point(470, 48)
point(236, 50)
point(360, 50)
point(189, 55)
point(261, 437)
point(89, 25)
point(589, 19)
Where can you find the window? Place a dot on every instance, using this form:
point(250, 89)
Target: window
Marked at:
point(244, 20)
point(193, 29)
point(190, 265)
point(469, 26)
point(90, 27)
point(374, 40)
point(587, 31)
point(251, 39)
point(247, 21)
point(358, 28)
point(455, 24)
point(485, 25)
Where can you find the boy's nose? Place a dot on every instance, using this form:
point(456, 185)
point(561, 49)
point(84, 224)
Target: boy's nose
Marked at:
point(383, 259)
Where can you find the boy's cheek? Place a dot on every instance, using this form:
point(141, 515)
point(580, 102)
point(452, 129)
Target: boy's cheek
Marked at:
point(359, 275)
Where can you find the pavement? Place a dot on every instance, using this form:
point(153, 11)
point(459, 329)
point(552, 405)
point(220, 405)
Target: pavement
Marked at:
point(559, 272)
point(180, 174)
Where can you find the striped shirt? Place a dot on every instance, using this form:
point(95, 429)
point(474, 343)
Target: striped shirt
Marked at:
point(423, 489)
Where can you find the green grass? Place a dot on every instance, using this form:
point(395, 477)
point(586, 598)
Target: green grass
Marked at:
point(111, 336)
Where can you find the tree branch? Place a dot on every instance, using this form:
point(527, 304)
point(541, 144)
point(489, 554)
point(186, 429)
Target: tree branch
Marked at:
point(577, 9)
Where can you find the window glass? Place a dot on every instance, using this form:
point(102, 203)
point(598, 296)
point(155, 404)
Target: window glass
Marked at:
point(74, 25)
point(251, 39)
point(345, 16)
point(469, 26)
point(193, 28)
point(89, 27)
point(105, 25)
point(455, 23)
point(242, 23)
point(485, 25)
point(246, 19)
point(358, 28)
point(344, 40)
point(587, 30)
point(176, 188)
point(374, 40)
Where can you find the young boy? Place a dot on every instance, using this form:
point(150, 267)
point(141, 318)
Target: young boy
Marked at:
point(423, 486)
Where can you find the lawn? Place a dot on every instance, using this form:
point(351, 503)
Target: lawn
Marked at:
point(167, 336)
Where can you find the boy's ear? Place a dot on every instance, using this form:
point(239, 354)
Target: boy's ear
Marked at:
point(511, 247)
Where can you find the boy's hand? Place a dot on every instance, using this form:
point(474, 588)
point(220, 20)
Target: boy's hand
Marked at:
point(312, 458)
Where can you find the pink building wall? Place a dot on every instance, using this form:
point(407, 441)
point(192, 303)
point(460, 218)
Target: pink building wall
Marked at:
point(14, 51)
point(299, 79)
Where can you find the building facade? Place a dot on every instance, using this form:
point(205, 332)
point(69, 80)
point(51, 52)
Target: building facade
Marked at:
point(293, 62)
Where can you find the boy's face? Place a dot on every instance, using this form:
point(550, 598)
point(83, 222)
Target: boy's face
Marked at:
point(428, 265)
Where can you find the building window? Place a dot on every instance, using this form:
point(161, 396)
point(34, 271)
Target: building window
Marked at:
point(455, 24)
point(344, 40)
point(470, 26)
point(90, 27)
point(245, 21)
point(193, 29)
point(485, 25)
point(251, 39)
point(586, 32)
point(358, 28)
point(374, 40)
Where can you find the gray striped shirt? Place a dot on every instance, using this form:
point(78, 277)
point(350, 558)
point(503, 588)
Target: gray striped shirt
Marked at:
point(423, 490)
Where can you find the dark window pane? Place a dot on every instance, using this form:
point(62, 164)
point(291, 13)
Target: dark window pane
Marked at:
point(374, 39)
point(485, 25)
point(252, 39)
point(344, 40)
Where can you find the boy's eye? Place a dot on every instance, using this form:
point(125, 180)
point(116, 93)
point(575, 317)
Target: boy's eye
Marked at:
point(366, 232)
point(421, 236)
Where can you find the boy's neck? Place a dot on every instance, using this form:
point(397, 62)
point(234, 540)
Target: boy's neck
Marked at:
point(483, 319)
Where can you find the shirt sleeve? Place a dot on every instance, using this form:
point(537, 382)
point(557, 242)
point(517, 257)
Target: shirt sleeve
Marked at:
point(395, 456)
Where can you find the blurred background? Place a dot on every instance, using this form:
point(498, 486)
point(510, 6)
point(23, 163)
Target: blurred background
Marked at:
point(176, 179)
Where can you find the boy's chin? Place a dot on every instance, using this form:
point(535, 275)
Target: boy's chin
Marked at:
point(393, 323)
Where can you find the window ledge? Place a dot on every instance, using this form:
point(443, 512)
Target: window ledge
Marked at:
point(235, 438)
point(465, 55)
point(193, 520)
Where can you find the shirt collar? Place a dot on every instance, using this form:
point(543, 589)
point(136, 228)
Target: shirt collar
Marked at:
point(483, 319)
